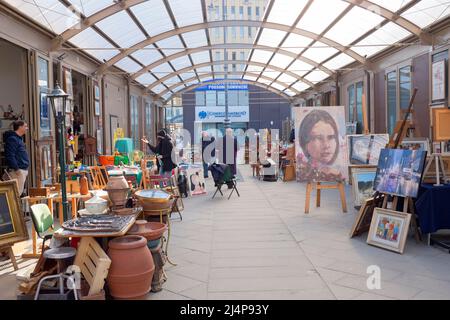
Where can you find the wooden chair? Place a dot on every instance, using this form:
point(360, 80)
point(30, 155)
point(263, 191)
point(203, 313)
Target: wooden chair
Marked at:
point(99, 177)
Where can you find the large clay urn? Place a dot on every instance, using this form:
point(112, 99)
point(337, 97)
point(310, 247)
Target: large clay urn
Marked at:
point(118, 190)
point(148, 230)
point(131, 272)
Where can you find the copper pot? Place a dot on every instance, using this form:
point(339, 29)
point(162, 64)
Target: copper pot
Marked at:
point(131, 272)
point(154, 201)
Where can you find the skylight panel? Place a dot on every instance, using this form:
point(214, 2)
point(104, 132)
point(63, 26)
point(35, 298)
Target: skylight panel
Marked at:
point(392, 5)
point(89, 7)
point(271, 74)
point(339, 62)
point(380, 39)
point(200, 57)
point(271, 37)
point(153, 16)
point(278, 86)
point(299, 67)
point(285, 78)
point(203, 70)
point(286, 11)
point(316, 76)
point(162, 70)
point(159, 88)
point(187, 12)
point(319, 52)
point(148, 55)
point(281, 60)
point(128, 65)
point(353, 25)
point(146, 79)
point(121, 29)
point(427, 12)
point(261, 56)
point(91, 39)
point(300, 86)
point(170, 45)
point(296, 43)
point(321, 14)
point(181, 63)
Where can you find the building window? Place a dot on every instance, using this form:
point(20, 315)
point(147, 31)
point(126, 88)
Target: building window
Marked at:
point(243, 98)
point(217, 33)
point(225, 12)
point(250, 32)
point(220, 98)
point(233, 56)
point(249, 13)
point(233, 12)
point(134, 113)
point(200, 98)
point(242, 32)
point(211, 99)
point(398, 94)
point(355, 93)
point(257, 13)
point(233, 33)
point(233, 98)
point(241, 12)
point(148, 120)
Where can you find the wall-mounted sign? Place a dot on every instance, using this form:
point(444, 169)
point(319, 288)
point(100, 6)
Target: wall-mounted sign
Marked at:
point(221, 87)
point(217, 114)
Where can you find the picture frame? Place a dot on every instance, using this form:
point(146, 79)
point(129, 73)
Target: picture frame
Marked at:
point(389, 229)
point(96, 91)
point(365, 149)
point(97, 108)
point(45, 161)
point(441, 127)
point(196, 181)
point(400, 172)
point(438, 81)
point(363, 181)
point(416, 144)
point(12, 224)
point(364, 217)
point(68, 86)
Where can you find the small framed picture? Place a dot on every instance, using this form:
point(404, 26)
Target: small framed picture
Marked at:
point(362, 182)
point(422, 144)
point(96, 91)
point(389, 229)
point(97, 108)
point(438, 81)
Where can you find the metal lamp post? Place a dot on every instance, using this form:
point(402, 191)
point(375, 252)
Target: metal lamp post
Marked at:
point(58, 100)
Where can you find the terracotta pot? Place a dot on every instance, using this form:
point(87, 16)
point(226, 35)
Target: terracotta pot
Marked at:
point(148, 230)
point(117, 182)
point(131, 272)
point(118, 197)
point(154, 200)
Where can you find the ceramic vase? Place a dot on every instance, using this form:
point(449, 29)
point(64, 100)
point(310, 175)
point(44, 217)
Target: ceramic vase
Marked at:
point(131, 272)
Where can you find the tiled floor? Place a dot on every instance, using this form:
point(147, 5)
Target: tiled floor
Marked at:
point(262, 246)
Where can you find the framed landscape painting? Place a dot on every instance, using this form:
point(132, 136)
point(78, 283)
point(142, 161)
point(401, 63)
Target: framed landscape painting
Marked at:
point(363, 181)
point(389, 229)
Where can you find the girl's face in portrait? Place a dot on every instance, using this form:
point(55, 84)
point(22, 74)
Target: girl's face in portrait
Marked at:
point(322, 142)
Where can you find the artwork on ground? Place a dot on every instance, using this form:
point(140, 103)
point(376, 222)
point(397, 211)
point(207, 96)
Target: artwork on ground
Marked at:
point(196, 180)
point(321, 147)
point(400, 172)
point(389, 229)
point(365, 149)
point(363, 180)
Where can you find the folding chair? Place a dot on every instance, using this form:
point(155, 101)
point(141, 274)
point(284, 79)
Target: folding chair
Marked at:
point(222, 174)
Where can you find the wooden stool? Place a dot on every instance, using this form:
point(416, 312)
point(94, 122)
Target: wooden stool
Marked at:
point(9, 251)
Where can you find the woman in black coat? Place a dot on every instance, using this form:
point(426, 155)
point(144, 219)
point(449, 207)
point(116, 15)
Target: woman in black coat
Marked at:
point(163, 151)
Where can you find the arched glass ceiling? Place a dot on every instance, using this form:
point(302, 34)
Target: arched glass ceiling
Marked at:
point(285, 45)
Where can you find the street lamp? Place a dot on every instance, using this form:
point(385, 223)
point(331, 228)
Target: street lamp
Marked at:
point(58, 99)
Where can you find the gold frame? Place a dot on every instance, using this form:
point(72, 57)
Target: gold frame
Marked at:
point(439, 123)
point(353, 171)
point(15, 210)
point(403, 234)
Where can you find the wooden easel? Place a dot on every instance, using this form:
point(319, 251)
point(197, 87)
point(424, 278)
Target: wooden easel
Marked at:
point(9, 251)
point(439, 166)
point(408, 207)
point(319, 186)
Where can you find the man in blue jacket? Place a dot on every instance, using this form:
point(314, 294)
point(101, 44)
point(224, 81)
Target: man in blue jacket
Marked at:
point(16, 154)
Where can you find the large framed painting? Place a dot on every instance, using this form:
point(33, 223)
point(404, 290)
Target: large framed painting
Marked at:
point(365, 149)
point(400, 172)
point(389, 229)
point(438, 81)
point(12, 223)
point(441, 127)
point(362, 182)
point(196, 180)
point(321, 147)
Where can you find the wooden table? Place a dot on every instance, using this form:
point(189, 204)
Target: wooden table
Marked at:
point(65, 233)
point(54, 197)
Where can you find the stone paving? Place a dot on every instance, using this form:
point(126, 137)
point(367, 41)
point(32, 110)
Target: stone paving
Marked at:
point(262, 246)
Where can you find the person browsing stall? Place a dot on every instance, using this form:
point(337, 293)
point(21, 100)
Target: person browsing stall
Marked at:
point(163, 150)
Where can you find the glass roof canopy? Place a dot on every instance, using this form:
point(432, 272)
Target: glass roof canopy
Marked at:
point(168, 45)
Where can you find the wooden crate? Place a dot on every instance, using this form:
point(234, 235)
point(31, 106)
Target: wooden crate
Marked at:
point(94, 264)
